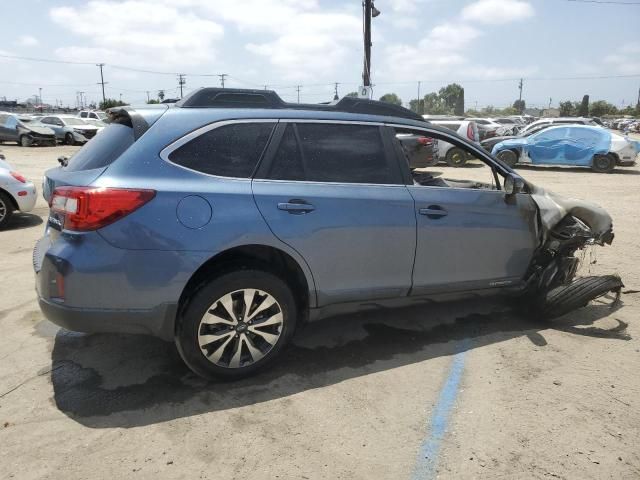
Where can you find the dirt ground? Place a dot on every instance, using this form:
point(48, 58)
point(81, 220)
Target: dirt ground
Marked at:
point(356, 397)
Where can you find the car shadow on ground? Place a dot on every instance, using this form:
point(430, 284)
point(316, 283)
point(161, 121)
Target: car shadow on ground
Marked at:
point(108, 380)
point(22, 220)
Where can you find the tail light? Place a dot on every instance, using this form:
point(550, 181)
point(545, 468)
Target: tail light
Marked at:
point(425, 141)
point(90, 208)
point(18, 177)
point(470, 133)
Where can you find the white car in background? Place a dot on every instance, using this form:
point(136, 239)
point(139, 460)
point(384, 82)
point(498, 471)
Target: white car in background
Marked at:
point(561, 121)
point(454, 156)
point(16, 192)
point(92, 114)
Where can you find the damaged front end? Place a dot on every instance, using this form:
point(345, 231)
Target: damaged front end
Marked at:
point(567, 227)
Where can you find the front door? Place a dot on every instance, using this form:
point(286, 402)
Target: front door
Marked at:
point(470, 235)
point(332, 192)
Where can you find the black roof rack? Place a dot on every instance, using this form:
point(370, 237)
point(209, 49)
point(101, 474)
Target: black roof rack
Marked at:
point(247, 98)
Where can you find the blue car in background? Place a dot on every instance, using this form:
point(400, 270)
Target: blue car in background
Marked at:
point(574, 145)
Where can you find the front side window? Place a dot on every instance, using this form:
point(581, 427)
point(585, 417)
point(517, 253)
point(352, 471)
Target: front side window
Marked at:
point(12, 122)
point(336, 153)
point(227, 151)
point(435, 162)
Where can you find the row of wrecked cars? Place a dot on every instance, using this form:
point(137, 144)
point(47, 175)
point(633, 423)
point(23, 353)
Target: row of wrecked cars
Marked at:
point(568, 142)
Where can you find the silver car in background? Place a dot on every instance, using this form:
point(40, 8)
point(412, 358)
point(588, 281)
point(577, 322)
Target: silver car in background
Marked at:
point(16, 192)
point(69, 129)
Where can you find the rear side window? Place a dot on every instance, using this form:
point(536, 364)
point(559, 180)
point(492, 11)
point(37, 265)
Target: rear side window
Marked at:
point(228, 151)
point(450, 126)
point(102, 149)
point(339, 153)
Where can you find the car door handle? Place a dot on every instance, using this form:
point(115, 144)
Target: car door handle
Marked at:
point(296, 207)
point(433, 211)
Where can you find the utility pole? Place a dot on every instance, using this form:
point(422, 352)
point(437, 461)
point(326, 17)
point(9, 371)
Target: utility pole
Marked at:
point(181, 82)
point(120, 98)
point(298, 90)
point(520, 87)
point(148, 99)
point(222, 77)
point(265, 86)
point(40, 95)
point(549, 103)
point(81, 100)
point(335, 91)
point(418, 108)
point(366, 74)
point(102, 82)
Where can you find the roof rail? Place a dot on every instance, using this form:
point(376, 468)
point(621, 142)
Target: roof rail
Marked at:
point(247, 98)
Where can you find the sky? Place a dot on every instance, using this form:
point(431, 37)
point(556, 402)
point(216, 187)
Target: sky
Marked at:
point(556, 46)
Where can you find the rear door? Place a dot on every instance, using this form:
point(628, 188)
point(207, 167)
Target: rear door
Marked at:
point(334, 192)
point(548, 146)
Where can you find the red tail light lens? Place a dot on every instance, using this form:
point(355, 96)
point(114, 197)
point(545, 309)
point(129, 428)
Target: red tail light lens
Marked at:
point(18, 177)
point(88, 208)
point(425, 141)
point(470, 132)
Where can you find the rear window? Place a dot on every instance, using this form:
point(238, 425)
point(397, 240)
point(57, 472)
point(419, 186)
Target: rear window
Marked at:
point(227, 151)
point(450, 126)
point(102, 149)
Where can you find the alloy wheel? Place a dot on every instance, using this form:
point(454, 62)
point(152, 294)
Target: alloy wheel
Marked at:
point(240, 328)
point(3, 210)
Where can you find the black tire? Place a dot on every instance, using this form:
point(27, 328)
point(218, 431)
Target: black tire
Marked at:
point(509, 157)
point(68, 139)
point(25, 141)
point(603, 163)
point(456, 157)
point(189, 325)
point(577, 294)
point(6, 210)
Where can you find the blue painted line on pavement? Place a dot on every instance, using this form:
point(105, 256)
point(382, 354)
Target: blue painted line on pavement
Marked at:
point(430, 449)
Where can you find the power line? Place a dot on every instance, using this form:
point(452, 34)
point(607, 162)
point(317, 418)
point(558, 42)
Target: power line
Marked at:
point(605, 2)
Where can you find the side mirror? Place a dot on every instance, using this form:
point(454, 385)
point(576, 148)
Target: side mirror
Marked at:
point(513, 184)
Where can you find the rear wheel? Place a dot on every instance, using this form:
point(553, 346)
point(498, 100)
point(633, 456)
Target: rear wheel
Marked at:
point(68, 139)
point(603, 163)
point(6, 209)
point(456, 157)
point(509, 157)
point(236, 324)
point(25, 141)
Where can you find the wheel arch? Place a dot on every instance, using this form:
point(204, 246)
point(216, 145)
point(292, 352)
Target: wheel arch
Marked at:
point(265, 257)
point(13, 201)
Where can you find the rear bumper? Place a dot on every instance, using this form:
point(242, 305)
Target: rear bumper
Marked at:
point(28, 201)
point(158, 322)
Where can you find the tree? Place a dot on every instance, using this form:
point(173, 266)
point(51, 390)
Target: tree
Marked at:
point(566, 108)
point(584, 106)
point(417, 105)
point(519, 105)
point(458, 109)
point(161, 95)
point(391, 98)
point(434, 105)
point(111, 102)
point(601, 107)
point(152, 101)
point(352, 94)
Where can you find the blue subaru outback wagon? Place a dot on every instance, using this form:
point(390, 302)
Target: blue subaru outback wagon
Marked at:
point(226, 220)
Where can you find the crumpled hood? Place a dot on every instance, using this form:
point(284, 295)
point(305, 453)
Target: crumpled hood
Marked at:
point(39, 129)
point(554, 207)
point(510, 142)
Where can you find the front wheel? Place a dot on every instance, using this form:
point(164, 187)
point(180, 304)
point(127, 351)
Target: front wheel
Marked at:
point(236, 324)
point(456, 157)
point(68, 139)
point(603, 163)
point(509, 157)
point(25, 141)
